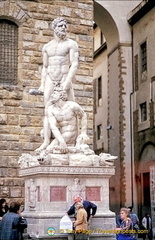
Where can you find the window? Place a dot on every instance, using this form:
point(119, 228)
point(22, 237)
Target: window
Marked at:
point(143, 57)
point(8, 51)
point(100, 91)
point(101, 37)
point(143, 111)
point(99, 132)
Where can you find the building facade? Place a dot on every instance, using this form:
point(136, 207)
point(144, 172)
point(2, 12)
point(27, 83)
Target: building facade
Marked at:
point(124, 88)
point(130, 106)
point(142, 21)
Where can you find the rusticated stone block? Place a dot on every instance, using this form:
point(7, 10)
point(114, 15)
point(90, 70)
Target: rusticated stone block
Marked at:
point(11, 103)
point(18, 182)
point(12, 172)
point(86, 6)
point(13, 161)
point(3, 172)
point(15, 130)
point(15, 192)
point(4, 145)
point(1, 182)
point(9, 137)
point(89, 101)
point(16, 146)
point(36, 121)
point(35, 139)
point(28, 146)
point(28, 131)
point(4, 161)
point(9, 153)
point(24, 120)
point(3, 119)
point(4, 191)
point(24, 138)
point(17, 95)
point(13, 119)
point(8, 182)
point(21, 14)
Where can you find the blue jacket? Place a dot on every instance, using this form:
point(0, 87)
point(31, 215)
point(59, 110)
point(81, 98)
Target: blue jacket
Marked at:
point(90, 208)
point(11, 228)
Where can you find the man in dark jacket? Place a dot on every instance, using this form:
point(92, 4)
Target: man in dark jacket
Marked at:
point(88, 206)
point(11, 224)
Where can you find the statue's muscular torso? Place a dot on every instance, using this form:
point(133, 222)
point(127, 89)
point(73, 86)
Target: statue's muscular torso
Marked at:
point(58, 59)
point(66, 118)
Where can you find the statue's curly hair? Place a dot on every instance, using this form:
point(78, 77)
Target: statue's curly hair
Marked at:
point(62, 93)
point(57, 20)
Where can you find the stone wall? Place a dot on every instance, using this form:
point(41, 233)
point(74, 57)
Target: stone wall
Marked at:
point(21, 115)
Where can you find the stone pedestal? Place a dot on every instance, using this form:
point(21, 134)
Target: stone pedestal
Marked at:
point(48, 195)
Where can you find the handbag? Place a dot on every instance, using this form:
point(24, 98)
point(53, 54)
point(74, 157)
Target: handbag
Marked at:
point(23, 223)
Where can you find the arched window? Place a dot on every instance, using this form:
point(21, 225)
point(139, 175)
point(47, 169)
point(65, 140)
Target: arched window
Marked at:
point(8, 52)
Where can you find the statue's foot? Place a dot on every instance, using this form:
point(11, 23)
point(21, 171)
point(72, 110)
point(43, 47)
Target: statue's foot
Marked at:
point(41, 148)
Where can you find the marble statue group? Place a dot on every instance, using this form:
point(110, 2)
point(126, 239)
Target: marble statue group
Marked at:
point(65, 122)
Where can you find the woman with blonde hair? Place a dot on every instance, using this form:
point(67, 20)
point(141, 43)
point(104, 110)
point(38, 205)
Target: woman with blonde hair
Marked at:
point(80, 223)
point(126, 227)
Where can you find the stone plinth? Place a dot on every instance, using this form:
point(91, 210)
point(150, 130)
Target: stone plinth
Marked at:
point(48, 195)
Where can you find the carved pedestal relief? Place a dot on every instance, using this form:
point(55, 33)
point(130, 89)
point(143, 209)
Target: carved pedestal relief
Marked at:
point(77, 189)
point(32, 195)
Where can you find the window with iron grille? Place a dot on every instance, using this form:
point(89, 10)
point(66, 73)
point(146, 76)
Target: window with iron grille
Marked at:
point(8, 51)
point(143, 111)
point(143, 57)
point(99, 132)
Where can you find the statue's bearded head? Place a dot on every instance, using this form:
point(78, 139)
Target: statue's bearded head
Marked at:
point(59, 26)
point(57, 95)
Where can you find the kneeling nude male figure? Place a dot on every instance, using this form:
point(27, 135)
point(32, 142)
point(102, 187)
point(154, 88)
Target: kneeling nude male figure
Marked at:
point(62, 117)
point(60, 62)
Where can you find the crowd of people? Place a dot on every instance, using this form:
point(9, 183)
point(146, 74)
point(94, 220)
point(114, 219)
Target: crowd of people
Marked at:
point(128, 225)
point(12, 224)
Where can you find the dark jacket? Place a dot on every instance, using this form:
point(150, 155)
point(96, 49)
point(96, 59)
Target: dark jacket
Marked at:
point(11, 227)
point(2, 213)
point(88, 206)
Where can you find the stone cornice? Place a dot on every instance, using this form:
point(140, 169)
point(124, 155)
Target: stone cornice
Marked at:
point(67, 170)
point(102, 48)
point(140, 11)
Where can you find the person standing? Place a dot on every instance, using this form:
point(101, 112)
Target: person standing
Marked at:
point(11, 224)
point(135, 221)
point(3, 210)
point(90, 207)
point(3, 207)
point(80, 223)
point(60, 63)
point(147, 225)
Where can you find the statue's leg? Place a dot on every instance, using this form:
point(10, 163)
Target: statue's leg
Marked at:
point(47, 132)
point(53, 144)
